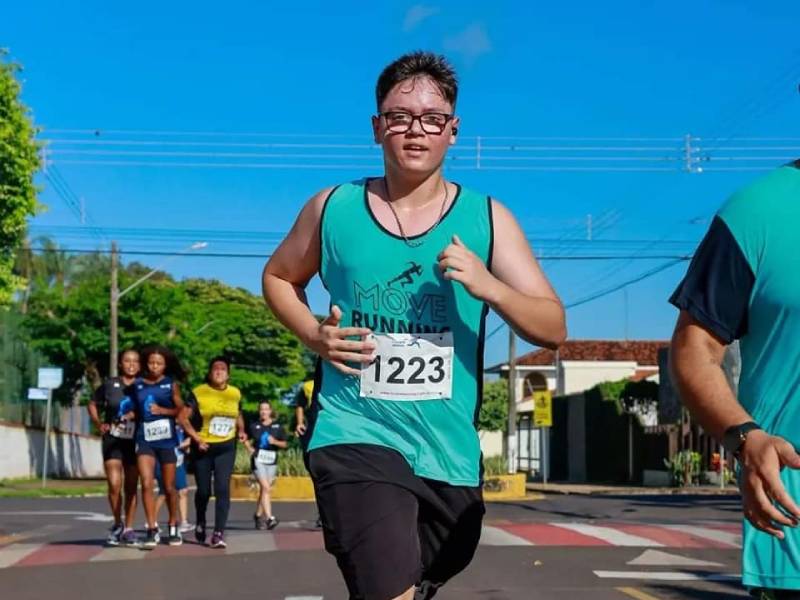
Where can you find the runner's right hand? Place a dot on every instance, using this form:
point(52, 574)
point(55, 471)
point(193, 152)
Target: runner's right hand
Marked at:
point(105, 427)
point(202, 446)
point(331, 343)
point(300, 429)
point(762, 457)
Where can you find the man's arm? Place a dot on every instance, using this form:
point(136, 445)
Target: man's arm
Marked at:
point(284, 279)
point(516, 288)
point(696, 365)
point(696, 362)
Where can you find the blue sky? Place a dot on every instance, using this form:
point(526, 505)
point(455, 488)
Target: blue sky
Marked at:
point(636, 70)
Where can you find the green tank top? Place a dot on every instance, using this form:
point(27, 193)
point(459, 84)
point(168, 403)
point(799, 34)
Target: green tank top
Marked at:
point(382, 283)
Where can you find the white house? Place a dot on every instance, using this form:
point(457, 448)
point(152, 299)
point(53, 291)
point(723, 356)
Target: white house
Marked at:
point(580, 365)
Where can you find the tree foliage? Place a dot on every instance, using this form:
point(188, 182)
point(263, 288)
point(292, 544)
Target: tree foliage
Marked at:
point(67, 321)
point(494, 410)
point(19, 161)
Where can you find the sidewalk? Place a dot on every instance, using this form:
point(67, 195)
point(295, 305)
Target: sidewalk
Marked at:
point(587, 489)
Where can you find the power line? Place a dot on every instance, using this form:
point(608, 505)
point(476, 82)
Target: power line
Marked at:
point(267, 255)
point(637, 279)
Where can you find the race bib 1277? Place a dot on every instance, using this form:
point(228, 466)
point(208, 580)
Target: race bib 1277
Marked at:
point(221, 426)
point(410, 366)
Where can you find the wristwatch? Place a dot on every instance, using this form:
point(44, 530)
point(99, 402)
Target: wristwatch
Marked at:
point(734, 437)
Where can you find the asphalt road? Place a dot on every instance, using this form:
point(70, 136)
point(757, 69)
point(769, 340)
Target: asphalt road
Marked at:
point(562, 547)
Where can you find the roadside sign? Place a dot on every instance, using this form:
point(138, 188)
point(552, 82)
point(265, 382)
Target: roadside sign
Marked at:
point(37, 393)
point(542, 408)
point(50, 377)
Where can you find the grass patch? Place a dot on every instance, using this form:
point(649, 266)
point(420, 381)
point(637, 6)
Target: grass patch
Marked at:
point(32, 488)
point(290, 462)
point(494, 465)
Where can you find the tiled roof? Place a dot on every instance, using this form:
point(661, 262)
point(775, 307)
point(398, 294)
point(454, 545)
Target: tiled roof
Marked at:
point(643, 352)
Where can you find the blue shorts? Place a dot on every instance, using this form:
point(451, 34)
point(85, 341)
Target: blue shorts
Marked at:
point(180, 478)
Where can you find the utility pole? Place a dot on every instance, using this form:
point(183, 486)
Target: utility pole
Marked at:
point(511, 436)
point(112, 353)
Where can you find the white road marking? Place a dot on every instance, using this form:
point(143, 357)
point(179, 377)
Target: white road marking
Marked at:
point(609, 534)
point(667, 576)
point(657, 558)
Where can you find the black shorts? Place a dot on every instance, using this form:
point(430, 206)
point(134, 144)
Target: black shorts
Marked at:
point(117, 449)
point(765, 594)
point(165, 456)
point(388, 528)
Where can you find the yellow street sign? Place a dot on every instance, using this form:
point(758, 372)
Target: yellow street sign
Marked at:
point(542, 408)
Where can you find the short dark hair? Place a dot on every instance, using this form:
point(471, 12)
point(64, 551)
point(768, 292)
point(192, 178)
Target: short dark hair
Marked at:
point(419, 64)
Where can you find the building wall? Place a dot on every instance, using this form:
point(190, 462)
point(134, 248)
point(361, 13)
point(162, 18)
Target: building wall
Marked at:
point(70, 455)
point(491, 443)
point(579, 376)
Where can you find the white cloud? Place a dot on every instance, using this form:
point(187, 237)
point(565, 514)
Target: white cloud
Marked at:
point(416, 15)
point(470, 43)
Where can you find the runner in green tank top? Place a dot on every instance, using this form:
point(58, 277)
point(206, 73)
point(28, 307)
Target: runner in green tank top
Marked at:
point(412, 264)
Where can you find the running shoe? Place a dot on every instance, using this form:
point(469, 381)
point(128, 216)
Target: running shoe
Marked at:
point(272, 522)
point(174, 538)
point(260, 522)
point(114, 534)
point(200, 533)
point(218, 540)
point(186, 527)
point(151, 539)
point(129, 538)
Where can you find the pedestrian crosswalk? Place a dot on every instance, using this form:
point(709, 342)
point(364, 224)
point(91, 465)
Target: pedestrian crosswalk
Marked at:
point(292, 536)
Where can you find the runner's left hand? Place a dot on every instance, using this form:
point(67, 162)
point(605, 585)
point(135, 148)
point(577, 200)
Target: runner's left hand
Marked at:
point(459, 263)
point(155, 409)
point(242, 437)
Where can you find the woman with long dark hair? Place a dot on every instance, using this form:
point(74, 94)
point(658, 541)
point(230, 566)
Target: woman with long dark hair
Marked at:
point(111, 410)
point(219, 420)
point(158, 409)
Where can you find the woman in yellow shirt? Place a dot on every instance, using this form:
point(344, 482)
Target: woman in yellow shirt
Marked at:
point(219, 408)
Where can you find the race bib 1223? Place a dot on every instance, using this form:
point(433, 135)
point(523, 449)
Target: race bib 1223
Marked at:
point(410, 366)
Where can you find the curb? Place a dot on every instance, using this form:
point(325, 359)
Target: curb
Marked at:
point(636, 491)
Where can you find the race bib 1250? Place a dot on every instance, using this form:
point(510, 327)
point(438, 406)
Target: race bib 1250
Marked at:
point(410, 366)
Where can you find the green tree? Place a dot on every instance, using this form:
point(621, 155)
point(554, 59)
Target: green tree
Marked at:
point(19, 161)
point(494, 410)
point(67, 322)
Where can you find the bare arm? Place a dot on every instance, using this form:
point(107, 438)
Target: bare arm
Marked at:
point(284, 279)
point(170, 412)
point(277, 443)
point(516, 288)
point(94, 415)
point(291, 267)
point(696, 362)
point(240, 428)
point(300, 418)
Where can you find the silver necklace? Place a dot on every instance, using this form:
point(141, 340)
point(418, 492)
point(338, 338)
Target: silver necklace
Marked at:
point(410, 243)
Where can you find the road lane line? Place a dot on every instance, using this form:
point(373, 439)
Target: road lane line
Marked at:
point(638, 594)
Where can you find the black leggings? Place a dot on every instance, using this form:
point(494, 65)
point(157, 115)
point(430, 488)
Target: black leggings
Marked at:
point(219, 458)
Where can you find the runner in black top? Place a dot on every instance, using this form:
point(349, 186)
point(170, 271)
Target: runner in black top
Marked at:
point(266, 437)
point(111, 410)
